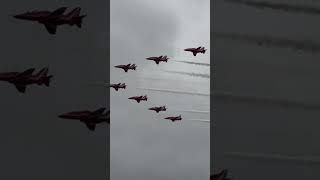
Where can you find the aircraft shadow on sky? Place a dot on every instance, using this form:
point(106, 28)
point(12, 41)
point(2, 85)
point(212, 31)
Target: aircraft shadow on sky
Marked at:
point(89, 118)
point(53, 19)
point(22, 79)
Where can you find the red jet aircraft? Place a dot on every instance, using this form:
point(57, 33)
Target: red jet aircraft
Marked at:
point(139, 98)
point(158, 59)
point(220, 176)
point(118, 86)
point(174, 118)
point(196, 50)
point(22, 79)
point(158, 109)
point(127, 67)
point(53, 19)
point(90, 118)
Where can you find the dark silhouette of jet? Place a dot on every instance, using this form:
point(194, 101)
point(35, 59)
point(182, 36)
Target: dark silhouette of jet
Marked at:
point(196, 50)
point(118, 86)
point(158, 109)
point(127, 67)
point(139, 98)
point(158, 59)
point(220, 176)
point(90, 118)
point(22, 79)
point(174, 118)
point(53, 19)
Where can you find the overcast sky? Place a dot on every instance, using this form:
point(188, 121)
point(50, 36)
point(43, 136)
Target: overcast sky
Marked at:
point(143, 144)
point(263, 131)
point(35, 143)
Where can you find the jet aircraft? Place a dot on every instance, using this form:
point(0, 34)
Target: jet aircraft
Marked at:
point(158, 109)
point(118, 86)
point(139, 98)
point(53, 19)
point(158, 59)
point(220, 176)
point(89, 118)
point(127, 67)
point(174, 118)
point(196, 50)
point(22, 79)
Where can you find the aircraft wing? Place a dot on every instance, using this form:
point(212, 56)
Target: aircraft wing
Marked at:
point(56, 13)
point(194, 53)
point(51, 28)
point(99, 111)
point(21, 87)
point(25, 74)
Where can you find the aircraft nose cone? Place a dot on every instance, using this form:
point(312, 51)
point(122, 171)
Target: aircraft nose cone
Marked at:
point(63, 116)
point(18, 16)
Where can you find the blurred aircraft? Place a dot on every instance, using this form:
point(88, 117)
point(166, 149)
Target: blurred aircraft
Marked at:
point(174, 118)
point(53, 19)
point(90, 118)
point(139, 98)
point(196, 50)
point(158, 109)
point(220, 176)
point(127, 67)
point(158, 59)
point(22, 79)
point(118, 86)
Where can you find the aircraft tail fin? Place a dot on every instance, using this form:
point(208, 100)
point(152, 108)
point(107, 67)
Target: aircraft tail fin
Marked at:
point(79, 21)
point(134, 66)
point(47, 80)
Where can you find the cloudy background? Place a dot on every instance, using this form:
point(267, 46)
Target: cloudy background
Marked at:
point(252, 139)
point(143, 144)
point(35, 143)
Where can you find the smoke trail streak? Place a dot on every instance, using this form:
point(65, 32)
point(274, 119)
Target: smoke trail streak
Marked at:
point(194, 111)
point(268, 41)
point(173, 91)
point(266, 101)
point(98, 84)
point(277, 157)
point(200, 120)
point(195, 63)
point(279, 6)
point(190, 74)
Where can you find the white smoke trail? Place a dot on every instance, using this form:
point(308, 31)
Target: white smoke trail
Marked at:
point(269, 41)
point(173, 91)
point(200, 120)
point(195, 63)
point(279, 6)
point(195, 111)
point(279, 157)
point(189, 74)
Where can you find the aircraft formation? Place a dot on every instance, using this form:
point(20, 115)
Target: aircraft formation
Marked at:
point(51, 20)
point(157, 60)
